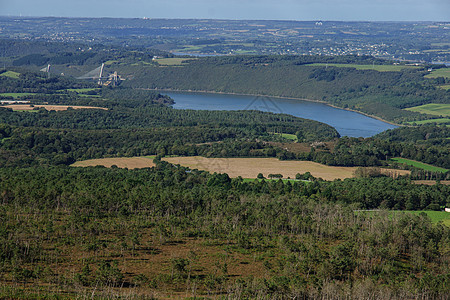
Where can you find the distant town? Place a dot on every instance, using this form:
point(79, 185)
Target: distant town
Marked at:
point(389, 40)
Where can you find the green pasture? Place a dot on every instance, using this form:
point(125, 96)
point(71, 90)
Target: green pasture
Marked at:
point(245, 52)
point(81, 91)
point(379, 68)
point(419, 165)
point(444, 72)
point(16, 95)
point(437, 121)
point(10, 74)
point(444, 87)
point(110, 62)
point(436, 109)
point(288, 136)
point(435, 216)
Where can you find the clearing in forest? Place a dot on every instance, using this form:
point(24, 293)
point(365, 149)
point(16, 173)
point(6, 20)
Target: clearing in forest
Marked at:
point(443, 72)
point(418, 164)
point(121, 162)
point(10, 74)
point(436, 109)
point(250, 167)
point(22, 107)
point(173, 61)
point(437, 121)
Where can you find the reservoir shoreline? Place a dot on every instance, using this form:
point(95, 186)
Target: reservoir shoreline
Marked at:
point(278, 97)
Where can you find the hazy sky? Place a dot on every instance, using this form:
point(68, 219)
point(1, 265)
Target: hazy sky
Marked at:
point(371, 10)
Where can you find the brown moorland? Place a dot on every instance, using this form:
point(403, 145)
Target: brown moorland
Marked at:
point(151, 254)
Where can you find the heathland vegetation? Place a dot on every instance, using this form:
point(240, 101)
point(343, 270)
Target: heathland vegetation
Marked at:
point(172, 231)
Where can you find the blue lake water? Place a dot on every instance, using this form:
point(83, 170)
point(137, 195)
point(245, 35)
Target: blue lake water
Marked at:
point(347, 123)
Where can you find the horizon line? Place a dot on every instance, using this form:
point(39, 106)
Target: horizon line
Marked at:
point(225, 19)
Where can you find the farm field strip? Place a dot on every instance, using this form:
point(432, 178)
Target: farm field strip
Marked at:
point(20, 107)
point(417, 164)
point(432, 109)
point(288, 136)
point(175, 61)
point(247, 168)
point(16, 95)
point(251, 167)
point(10, 74)
point(437, 121)
point(121, 162)
point(379, 68)
point(435, 216)
point(85, 90)
point(444, 72)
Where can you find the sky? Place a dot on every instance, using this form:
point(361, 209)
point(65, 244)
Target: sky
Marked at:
point(336, 10)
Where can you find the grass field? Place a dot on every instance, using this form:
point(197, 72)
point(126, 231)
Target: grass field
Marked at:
point(11, 74)
point(121, 162)
point(16, 95)
point(110, 62)
point(419, 165)
point(437, 121)
point(83, 90)
point(444, 72)
point(435, 216)
point(379, 68)
point(175, 61)
point(445, 87)
point(27, 107)
point(251, 167)
point(432, 109)
point(288, 136)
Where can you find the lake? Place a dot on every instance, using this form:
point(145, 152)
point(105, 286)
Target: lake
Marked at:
point(347, 123)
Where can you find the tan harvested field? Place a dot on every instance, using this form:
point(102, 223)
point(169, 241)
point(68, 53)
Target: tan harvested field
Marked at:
point(250, 167)
point(234, 167)
point(431, 182)
point(49, 107)
point(121, 162)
